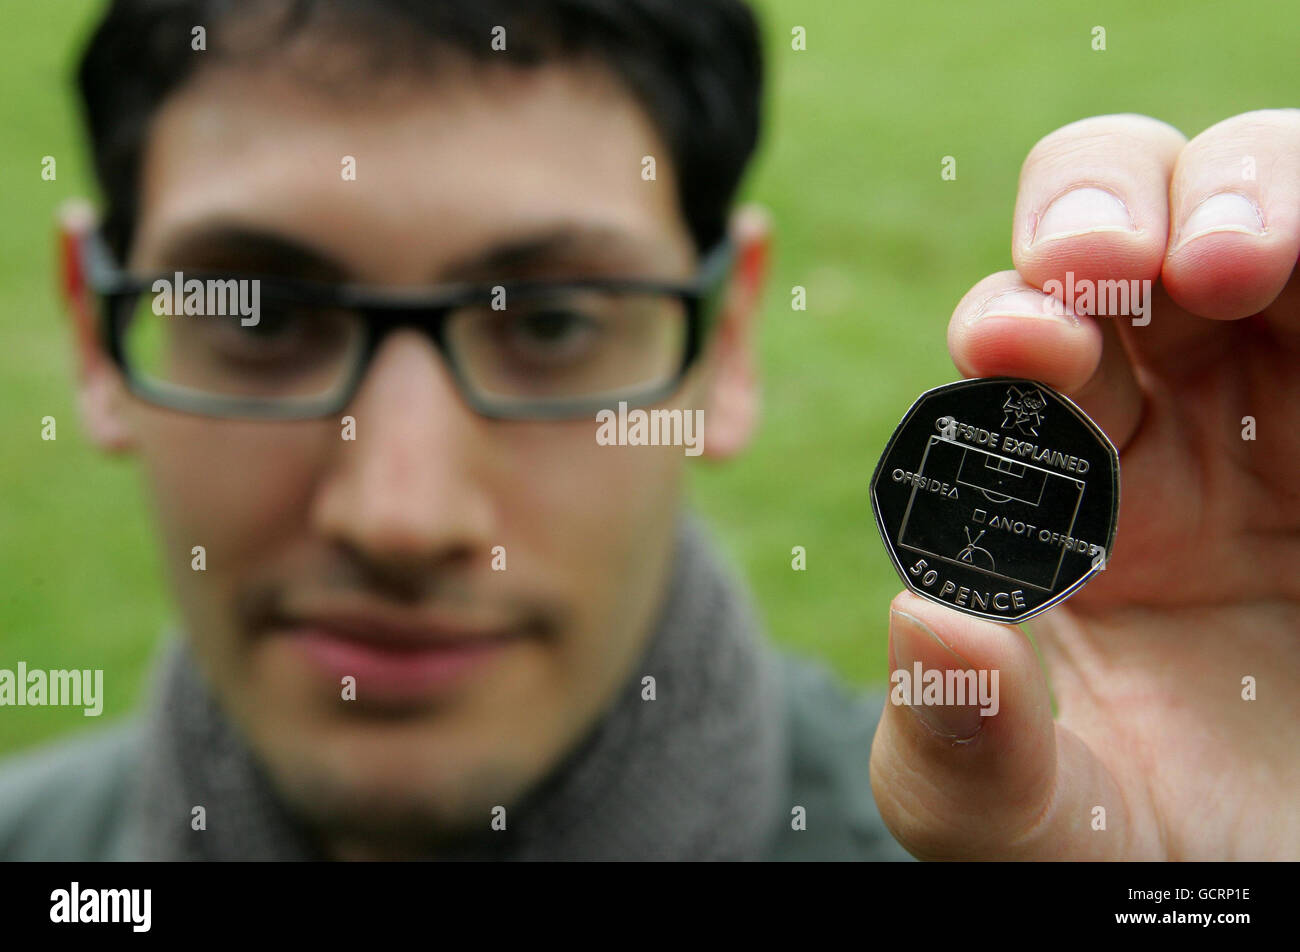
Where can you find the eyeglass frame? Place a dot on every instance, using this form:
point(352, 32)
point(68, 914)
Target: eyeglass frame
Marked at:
point(384, 310)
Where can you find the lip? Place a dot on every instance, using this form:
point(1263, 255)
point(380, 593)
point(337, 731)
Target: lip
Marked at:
point(392, 658)
point(380, 626)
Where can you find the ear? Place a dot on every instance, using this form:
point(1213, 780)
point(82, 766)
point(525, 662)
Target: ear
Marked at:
point(99, 387)
point(733, 391)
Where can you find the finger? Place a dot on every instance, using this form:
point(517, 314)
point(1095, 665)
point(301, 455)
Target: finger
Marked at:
point(953, 783)
point(1005, 326)
point(1235, 198)
point(1094, 202)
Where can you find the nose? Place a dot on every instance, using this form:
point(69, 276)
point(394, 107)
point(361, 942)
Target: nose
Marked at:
point(410, 494)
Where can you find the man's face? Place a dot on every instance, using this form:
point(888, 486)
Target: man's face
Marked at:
point(374, 557)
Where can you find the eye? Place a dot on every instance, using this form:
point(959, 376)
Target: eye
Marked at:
point(275, 325)
point(552, 325)
point(549, 334)
point(282, 337)
point(277, 331)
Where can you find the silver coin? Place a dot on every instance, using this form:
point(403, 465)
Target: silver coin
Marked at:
point(997, 497)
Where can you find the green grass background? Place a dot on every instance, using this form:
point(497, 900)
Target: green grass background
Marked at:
point(856, 128)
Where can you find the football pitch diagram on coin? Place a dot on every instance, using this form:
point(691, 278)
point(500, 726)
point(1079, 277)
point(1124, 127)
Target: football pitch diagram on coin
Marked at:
point(998, 497)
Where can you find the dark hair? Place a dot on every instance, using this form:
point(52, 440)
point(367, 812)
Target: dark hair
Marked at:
point(695, 66)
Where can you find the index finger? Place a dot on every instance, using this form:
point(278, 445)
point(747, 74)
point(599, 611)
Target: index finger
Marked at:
point(1094, 200)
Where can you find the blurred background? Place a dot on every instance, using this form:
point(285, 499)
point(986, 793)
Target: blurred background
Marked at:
point(857, 126)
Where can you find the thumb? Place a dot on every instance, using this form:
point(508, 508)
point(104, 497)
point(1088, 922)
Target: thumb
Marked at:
point(954, 783)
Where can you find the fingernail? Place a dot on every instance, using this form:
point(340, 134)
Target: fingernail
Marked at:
point(914, 641)
point(1023, 303)
point(1224, 211)
point(1083, 211)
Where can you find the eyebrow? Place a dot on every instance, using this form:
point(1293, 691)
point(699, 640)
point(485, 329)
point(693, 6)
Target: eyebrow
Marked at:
point(575, 249)
point(220, 246)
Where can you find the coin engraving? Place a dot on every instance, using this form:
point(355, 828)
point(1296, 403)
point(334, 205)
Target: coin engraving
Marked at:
point(998, 497)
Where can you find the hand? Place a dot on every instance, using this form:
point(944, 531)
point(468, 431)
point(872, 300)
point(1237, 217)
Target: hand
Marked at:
point(1202, 588)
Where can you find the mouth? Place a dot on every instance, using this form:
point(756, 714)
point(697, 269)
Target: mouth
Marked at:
point(395, 658)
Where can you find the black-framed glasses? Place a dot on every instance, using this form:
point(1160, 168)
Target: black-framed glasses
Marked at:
point(276, 348)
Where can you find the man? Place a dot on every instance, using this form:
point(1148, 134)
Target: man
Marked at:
point(437, 617)
point(426, 615)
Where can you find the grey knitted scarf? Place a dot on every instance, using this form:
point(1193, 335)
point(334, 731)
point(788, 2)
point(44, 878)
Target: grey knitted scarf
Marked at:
point(695, 774)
